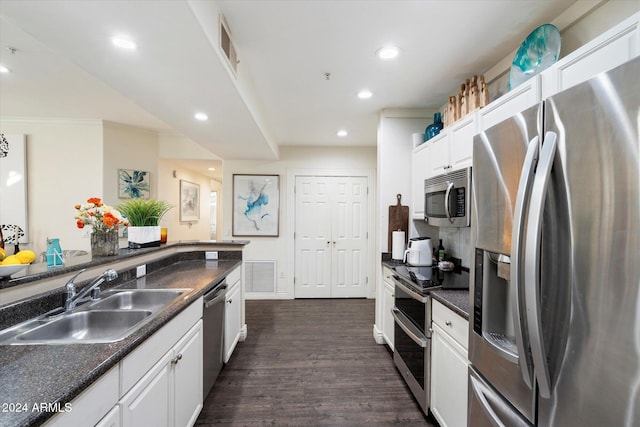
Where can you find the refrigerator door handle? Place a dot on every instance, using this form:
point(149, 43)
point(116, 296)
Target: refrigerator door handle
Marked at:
point(446, 201)
point(532, 262)
point(517, 309)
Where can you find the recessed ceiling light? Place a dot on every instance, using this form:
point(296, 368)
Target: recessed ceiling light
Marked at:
point(211, 169)
point(365, 94)
point(201, 116)
point(4, 69)
point(342, 133)
point(387, 52)
point(124, 42)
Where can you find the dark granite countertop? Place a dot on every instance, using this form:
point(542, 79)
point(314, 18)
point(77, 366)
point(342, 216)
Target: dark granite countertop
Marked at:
point(39, 271)
point(34, 374)
point(456, 300)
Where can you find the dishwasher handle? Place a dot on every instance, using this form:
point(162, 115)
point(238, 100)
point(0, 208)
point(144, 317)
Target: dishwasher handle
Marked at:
point(215, 295)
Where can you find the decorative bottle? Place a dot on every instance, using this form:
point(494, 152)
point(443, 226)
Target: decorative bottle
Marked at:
point(435, 128)
point(440, 251)
point(54, 253)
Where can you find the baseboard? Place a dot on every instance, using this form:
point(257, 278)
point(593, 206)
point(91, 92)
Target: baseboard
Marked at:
point(243, 333)
point(377, 335)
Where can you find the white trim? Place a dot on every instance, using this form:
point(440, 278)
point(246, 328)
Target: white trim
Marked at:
point(370, 174)
point(378, 336)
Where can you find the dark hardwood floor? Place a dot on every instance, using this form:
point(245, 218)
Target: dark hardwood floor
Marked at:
point(311, 363)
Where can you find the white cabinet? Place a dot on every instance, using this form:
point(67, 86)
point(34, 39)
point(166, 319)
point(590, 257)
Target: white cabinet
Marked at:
point(438, 154)
point(232, 313)
point(419, 172)
point(516, 100)
point(449, 366)
point(112, 419)
point(452, 149)
point(148, 402)
point(187, 378)
point(388, 301)
point(92, 404)
point(461, 142)
point(170, 394)
point(612, 48)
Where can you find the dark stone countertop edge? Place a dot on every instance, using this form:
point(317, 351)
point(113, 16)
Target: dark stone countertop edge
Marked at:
point(456, 300)
point(109, 355)
point(39, 271)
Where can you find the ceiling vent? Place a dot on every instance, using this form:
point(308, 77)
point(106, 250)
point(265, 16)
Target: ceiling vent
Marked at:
point(228, 49)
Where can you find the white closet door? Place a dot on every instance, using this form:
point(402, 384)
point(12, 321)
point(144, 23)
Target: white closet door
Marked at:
point(349, 238)
point(330, 237)
point(313, 237)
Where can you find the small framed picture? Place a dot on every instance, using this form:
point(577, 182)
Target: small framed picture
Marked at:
point(189, 201)
point(133, 184)
point(256, 205)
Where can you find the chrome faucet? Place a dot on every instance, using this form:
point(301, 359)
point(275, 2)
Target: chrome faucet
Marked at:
point(93, 287)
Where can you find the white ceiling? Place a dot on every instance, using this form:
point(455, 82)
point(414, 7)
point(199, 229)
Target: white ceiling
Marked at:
point(66, 67)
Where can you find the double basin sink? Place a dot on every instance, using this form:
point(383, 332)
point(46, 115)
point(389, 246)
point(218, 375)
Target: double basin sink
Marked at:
point(113, 317)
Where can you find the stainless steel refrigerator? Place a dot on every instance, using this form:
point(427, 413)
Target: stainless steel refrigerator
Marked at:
point(555, 329)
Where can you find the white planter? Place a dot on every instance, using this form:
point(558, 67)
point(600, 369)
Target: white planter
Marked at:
point(143, 237)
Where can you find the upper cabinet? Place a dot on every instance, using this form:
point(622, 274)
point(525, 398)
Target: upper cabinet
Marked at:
point(612, 48)
point(419, 172)
point(516, 100)
point(453, 148)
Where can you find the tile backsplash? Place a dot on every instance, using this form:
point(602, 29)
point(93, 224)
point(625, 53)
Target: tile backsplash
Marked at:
point(457, 243)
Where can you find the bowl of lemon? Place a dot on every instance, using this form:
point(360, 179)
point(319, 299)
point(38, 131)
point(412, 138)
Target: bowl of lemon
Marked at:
point(10, 264)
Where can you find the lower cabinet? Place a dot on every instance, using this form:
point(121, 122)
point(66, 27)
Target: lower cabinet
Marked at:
point(388, 301)
point(449, 365)
point(170, 394)
point(158, 384)
point(232, 313)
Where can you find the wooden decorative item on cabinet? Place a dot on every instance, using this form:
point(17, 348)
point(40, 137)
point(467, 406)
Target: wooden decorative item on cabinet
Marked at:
point(463, 99)
point(474, 100)
point(484, 92)
point(450, 115)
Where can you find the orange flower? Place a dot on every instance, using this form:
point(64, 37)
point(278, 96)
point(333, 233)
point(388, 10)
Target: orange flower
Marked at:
point(77, 206)
point(95, 200)
point(109, 220)
point(80, 224)
point(91, 213)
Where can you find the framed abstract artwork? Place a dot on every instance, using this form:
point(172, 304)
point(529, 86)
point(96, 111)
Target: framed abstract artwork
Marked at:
point(256, 202)
point(133, 184)
point(189, 201)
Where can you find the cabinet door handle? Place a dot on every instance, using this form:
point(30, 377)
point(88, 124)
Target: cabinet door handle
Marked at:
point(176, 359)
point(448, 323)
point(230, 301)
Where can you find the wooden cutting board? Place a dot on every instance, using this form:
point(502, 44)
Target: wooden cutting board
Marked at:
point(398, 220)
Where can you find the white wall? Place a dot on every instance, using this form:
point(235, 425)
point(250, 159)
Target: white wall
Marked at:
point(169, 190)
point(64, 167)
point(128, 147)
point(351, 159)
point(69, 161)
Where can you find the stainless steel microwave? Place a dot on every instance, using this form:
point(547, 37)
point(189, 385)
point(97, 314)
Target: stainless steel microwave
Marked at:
point(447, 199)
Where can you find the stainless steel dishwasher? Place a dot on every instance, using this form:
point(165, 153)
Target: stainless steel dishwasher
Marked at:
point(213, 334)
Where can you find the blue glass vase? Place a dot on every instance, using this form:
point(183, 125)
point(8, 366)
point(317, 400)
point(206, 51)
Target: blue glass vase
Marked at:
point(435, 128)
point(54, 253)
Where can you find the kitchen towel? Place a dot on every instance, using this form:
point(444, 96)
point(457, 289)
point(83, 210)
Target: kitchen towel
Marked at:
point(397, 245)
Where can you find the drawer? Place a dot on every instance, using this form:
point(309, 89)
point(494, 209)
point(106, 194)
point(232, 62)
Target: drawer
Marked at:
point(233, 276)
point(387, 274)
point(453, 324)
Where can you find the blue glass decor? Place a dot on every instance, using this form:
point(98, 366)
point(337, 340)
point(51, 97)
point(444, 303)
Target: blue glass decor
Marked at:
point(54, 253)
point(435, 128)
point(537, 52)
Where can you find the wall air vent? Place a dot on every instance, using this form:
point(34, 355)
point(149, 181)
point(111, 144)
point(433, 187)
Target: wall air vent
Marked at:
point(226, 44)
point(260, 277)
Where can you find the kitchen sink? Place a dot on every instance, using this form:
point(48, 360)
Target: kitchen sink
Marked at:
point(94, 326)
point(115, 316)
point(137, 299)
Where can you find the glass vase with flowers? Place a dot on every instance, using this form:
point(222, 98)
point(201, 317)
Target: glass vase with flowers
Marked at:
point(104, 221)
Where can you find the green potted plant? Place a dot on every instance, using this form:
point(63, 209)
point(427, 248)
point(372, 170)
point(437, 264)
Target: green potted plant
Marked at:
point(144, 217)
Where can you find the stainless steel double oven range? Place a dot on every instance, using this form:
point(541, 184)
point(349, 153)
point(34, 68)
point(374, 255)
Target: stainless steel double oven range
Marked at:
point(412, 323)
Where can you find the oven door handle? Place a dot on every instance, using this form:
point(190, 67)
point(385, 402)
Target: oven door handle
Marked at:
point(405, 324)
point(446, 201)
point(413, 294)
